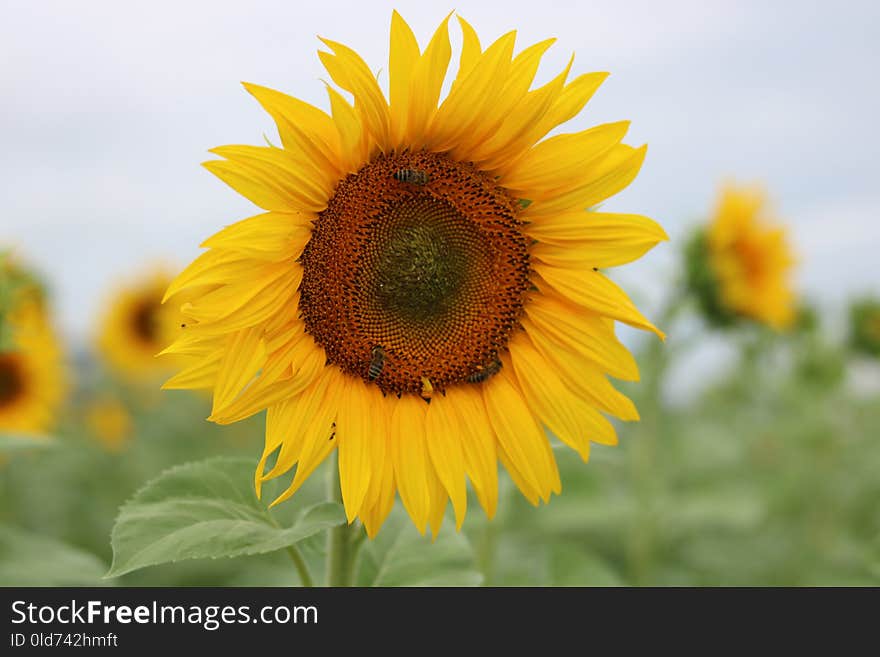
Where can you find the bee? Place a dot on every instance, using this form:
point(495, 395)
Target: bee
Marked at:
point(412, 176)
point(427, 389)
point(377, 362)
point(489, 369)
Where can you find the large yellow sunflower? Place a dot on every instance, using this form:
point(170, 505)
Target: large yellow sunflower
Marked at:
point(136, 326)
point(423, 290)
point(750, 260)
point(33, 379)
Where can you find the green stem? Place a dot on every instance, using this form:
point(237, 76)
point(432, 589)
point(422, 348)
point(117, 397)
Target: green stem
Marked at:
point(305, 577)
point(342, 541)
point(296, 556)
point(647, 480)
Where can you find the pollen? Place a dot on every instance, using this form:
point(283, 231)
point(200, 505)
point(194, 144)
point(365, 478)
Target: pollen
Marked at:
point(432, 267)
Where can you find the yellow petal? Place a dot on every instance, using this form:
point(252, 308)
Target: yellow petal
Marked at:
point(202, 375)
point(270, 236)
point(478, 445)
point(427, 81)
point(354, 140)
point(444, 447)
point(585, 333)
point(351, 73)
point(520, 437)
point(353, 435)
point(307, 416)
point(410, 457)
point(317, 439)
point(245, 355)
point(279, 182)
point(402, 58)
point(463, 109)
point(605, 178)
point(571, 101)
point(302, 127)
point(593, 290)
point(571, 419)
point(470, 51)
point(582, 376)
point(560, 160)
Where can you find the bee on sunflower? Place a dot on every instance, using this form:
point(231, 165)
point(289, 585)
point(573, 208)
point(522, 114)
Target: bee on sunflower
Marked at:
point(422, 292)
point(33, 377)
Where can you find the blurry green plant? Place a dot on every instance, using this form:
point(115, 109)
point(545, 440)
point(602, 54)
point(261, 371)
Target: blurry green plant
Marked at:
point(864, 320)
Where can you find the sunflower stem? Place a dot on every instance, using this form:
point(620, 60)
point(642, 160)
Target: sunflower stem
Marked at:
point(305, 578)
point(342, 541)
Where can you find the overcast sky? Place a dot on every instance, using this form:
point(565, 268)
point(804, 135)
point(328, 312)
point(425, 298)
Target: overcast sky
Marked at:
point(109, 107)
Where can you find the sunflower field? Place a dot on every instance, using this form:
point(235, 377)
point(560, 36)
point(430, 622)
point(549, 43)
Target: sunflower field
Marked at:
point(426, 353)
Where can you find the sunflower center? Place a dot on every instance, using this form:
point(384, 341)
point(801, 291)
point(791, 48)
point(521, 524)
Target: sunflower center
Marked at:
point(143, 321)
point(11, 379)
point(417, 270)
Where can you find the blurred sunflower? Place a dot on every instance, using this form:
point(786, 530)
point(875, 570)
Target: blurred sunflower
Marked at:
point(739, 266)
point(423, 291)
point(136, 327)
point(33, 379)
point(109, 421)
point(864, 319)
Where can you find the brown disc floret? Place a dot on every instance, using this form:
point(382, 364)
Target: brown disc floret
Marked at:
point(421, 256)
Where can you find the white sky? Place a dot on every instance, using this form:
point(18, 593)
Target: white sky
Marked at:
point(108, 108)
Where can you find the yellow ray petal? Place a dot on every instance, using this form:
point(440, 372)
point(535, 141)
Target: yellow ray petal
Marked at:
point(560, 161)
point(593, 290)
point(270, 236)
point(444, 447)
point(302, 127)
point(427, 81)
point(585, 333)
point(463, 109)
point(470, 51)
point(274, 180)
point(245, 355)
point(309, 415)
point(564, 413)
point(521, 438)
point(410, 457)
point(605, 178)
point(211, 268)
point(583, 376)
point(402, 58)
point(519, 132)
point(354, 140)
point(351, 73)
point(317, 444)
point(353, 435)
point(202, 375)
point(258, 306)
point(571, 101)
point(478, 445)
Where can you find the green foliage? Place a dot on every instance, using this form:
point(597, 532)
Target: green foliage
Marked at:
point(864, 319)
point(206, 509)
point(400, 556)
point(28, 559)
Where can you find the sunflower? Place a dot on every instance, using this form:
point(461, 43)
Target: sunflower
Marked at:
point(739, 266)
point(136, 327)
point(109, 421)
point(33, 380)
point(422, 292)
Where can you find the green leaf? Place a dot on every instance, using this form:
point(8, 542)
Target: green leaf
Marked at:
point(205, 509)
point(400, 556)
point(28, 559)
